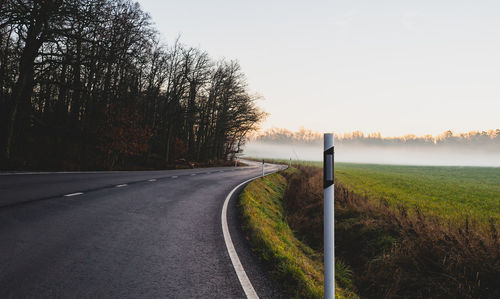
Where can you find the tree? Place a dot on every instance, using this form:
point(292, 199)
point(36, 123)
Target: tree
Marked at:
point(81, 79)
point(35, 22)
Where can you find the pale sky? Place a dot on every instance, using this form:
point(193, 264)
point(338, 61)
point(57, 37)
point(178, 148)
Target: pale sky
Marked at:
point(394, 67)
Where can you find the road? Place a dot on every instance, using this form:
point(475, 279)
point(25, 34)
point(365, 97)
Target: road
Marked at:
point(147, 234)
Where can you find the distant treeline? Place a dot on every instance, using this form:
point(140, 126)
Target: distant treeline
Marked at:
point(86, 84)
point(489, 139)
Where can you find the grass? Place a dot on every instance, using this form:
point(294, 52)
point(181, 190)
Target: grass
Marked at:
point(404, 231)
point(393, 253)
point(413, 255)
point(296, 266)
point(449, 192)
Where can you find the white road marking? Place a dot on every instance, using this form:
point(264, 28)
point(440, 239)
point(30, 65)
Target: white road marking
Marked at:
point(208, 172)
point(74, 194)
point(174, 176)
point(193, 174)
point(122, 185)
point(152, 180)
point(238, 267)
point(221, 170)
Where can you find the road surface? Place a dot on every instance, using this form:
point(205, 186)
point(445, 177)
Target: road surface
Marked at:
point(148, 234)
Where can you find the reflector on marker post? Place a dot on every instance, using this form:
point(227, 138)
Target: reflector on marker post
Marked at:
point(329, 239)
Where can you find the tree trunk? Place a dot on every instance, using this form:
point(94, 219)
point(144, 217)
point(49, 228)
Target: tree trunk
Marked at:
point(23, 89)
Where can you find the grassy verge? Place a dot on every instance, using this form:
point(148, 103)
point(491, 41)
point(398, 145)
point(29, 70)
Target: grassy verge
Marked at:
point(295, 265)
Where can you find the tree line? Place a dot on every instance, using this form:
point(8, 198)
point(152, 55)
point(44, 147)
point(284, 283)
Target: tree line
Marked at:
point(485, 139)
point(87, 84)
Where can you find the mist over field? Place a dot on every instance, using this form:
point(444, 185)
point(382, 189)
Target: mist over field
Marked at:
point(379, 155)
point(439, 152)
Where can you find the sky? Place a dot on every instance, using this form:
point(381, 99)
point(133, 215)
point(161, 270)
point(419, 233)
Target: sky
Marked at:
point(395, 67)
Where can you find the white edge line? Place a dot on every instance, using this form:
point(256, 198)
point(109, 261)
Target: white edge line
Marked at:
point(152, 180)
point(238, 267)
point(73, 194)
point(122, 185)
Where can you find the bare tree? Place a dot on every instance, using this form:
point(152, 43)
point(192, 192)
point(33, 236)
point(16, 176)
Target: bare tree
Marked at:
point(72, 71)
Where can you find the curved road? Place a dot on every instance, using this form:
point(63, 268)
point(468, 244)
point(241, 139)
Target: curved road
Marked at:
point(148, 234)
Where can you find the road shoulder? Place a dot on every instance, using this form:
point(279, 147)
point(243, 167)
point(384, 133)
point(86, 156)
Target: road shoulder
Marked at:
point(255, 268)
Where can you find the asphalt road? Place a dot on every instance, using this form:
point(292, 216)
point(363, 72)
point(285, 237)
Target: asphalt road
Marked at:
point(148, 234)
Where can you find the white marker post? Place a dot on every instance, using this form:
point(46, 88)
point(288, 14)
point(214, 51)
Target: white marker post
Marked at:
point(262, 167)
point(329, 222)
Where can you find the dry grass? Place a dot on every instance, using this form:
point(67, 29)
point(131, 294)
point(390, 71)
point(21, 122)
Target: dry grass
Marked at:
point(395, 253)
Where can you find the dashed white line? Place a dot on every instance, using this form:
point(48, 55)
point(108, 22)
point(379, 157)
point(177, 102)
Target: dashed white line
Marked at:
point(74, 194)
point(122, 185)
point(152, 180)
point(208, 172)
point(193, 174)
point(174, 176)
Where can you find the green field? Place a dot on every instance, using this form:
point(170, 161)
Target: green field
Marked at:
point(446, 191)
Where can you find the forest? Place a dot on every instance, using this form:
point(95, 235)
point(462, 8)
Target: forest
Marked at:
point(474, 139)
point(88, 84)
